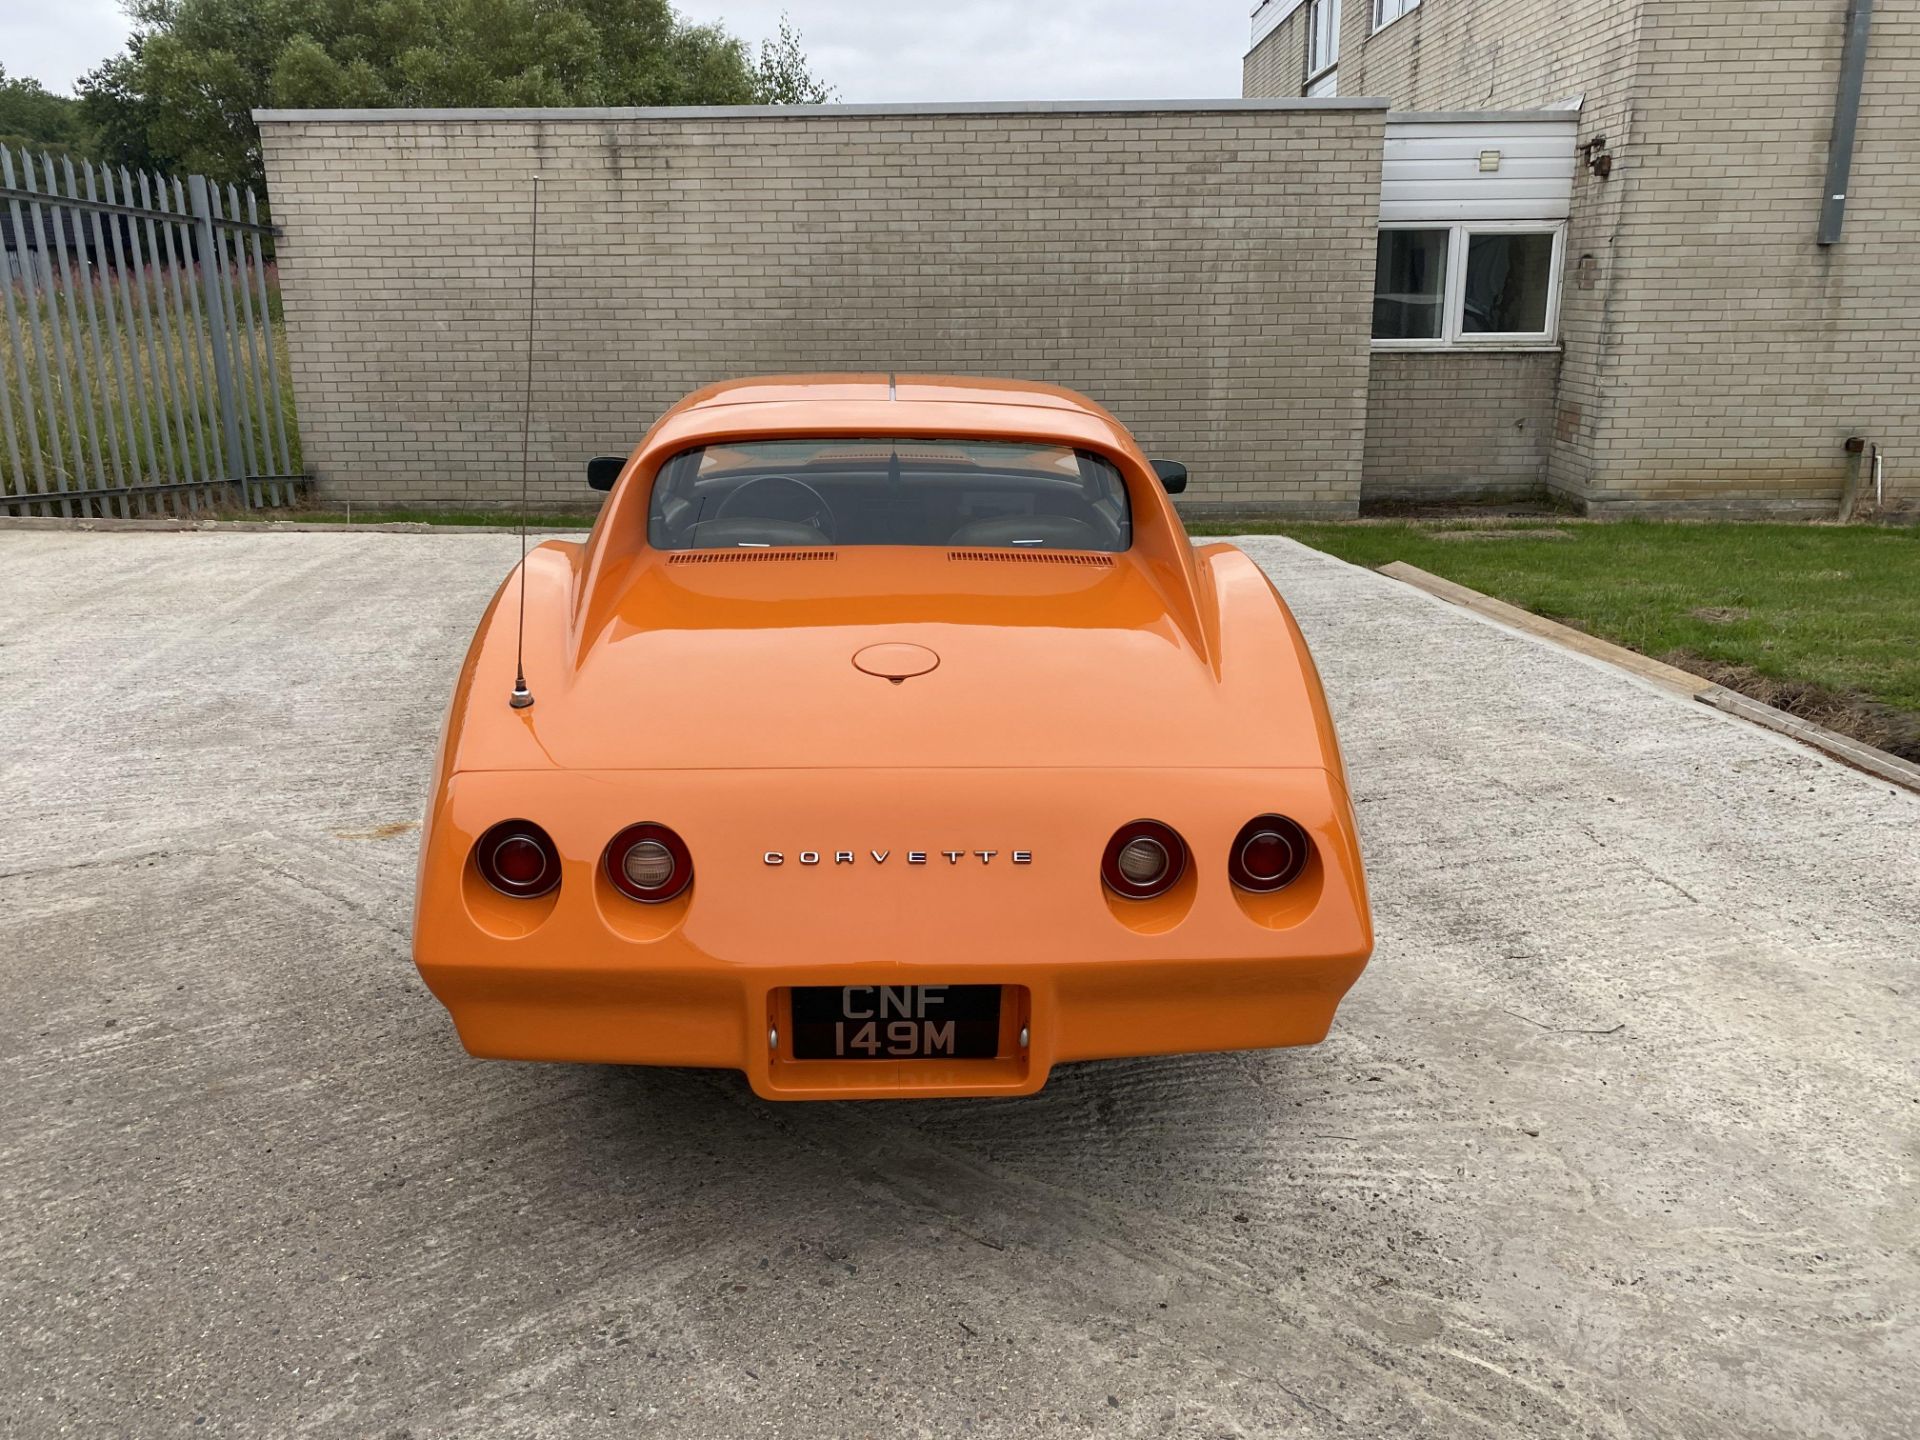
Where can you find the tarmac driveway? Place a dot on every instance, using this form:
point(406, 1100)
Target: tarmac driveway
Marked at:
point(1616, 1137)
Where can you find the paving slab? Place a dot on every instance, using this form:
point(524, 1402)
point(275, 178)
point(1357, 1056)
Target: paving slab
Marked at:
point(1616, 1137)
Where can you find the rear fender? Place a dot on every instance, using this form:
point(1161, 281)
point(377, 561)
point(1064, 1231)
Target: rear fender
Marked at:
point(1260, 655)
point(482, 731)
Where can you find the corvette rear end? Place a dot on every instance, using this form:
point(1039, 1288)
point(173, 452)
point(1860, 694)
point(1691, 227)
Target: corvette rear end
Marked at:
point(889, 739)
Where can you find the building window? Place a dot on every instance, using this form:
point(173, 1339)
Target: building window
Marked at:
point(1410, 284)
point(1508, 282)
point(1480, 283)
point(1323, 46)
point(1385, 12)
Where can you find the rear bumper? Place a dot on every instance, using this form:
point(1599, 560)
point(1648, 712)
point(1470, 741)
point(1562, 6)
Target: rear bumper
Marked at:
point(585, 974)
point(713, 1015)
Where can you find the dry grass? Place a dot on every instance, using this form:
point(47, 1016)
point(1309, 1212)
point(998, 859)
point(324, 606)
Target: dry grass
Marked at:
point(1869, 721)
point(127, 398)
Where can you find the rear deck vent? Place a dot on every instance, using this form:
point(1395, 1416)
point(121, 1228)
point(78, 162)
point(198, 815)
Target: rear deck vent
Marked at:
point(1034, 557)
point(717, 557)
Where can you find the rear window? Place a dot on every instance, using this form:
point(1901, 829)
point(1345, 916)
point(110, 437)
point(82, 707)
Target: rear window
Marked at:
point(985, 494)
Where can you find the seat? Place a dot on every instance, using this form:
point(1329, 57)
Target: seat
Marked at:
point(1059, 532)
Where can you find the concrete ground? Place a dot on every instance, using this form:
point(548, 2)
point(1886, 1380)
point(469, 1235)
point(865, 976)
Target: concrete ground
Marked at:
point(1616, 1137)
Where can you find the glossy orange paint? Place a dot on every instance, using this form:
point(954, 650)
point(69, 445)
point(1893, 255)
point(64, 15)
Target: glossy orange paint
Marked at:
point(717, 693)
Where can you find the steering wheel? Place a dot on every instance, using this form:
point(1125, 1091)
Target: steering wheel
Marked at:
point(779, 497)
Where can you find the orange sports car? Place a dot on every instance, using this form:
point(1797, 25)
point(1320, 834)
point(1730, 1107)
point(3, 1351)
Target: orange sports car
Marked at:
point(887, 737)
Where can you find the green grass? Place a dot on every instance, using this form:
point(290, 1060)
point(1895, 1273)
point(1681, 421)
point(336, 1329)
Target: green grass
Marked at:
point(1831, 606)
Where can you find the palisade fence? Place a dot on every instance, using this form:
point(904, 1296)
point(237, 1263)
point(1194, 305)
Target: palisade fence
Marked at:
point(144, 369)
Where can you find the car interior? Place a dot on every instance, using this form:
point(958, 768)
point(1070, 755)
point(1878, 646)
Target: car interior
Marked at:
point(984, 494)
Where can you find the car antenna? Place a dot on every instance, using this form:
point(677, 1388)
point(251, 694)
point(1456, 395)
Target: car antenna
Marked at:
point(523, 697)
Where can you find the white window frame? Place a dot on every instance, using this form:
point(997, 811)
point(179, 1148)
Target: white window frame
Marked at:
point(1400, 10)
point(1453, 335)
point(1325, 71)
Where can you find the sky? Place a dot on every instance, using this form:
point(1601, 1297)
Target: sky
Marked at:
point(871, 50)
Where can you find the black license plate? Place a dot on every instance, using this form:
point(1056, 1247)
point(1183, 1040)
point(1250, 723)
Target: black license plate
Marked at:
point(896, 1022)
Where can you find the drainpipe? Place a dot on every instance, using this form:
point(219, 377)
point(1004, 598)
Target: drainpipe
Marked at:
point(1846, 117)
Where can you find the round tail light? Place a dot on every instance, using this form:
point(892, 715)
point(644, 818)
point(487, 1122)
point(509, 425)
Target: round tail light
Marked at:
point(1268, 854)
point(517, 858)
point(649, 863)
point(1143, 859)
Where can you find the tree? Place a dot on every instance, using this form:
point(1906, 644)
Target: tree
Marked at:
point(781, 76)
point(32, 117)
point(181, 94)
point(119, 119)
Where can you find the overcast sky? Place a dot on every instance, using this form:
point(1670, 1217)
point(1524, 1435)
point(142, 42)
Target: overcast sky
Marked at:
point(870, 49)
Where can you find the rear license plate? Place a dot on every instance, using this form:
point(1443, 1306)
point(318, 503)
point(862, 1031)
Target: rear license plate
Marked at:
point(896, 1022)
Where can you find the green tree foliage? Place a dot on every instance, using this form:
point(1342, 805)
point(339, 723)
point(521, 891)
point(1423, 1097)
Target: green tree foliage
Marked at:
point(180, 97)
point(32, 117)
point(781, 76)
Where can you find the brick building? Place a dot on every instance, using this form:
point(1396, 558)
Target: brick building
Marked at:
point(1706, 347)
point(1205, 270)
point(1572, 246)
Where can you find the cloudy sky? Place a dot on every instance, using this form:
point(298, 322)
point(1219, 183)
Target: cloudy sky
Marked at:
point(873, 50)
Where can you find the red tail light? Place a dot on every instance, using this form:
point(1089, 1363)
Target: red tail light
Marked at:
point(1268, 854)
point(1143, 859)
point(649, 863)
point(517, 858)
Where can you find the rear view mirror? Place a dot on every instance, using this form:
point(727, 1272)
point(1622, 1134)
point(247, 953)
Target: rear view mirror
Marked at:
point(603, 470)
point(1173, 475)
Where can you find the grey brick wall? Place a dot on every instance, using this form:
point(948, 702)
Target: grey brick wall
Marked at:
point(1277, 66)
point(1743, 353)
point(1206, 273)
point(1447, 426)
point(1716, 358)
point(1518, 55)
point(1522, 54)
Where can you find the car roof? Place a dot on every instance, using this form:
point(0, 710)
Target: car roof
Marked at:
point(830, 388)
point(801, 407)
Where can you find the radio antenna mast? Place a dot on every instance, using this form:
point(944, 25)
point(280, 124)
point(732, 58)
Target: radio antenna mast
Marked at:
point(523, 697)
